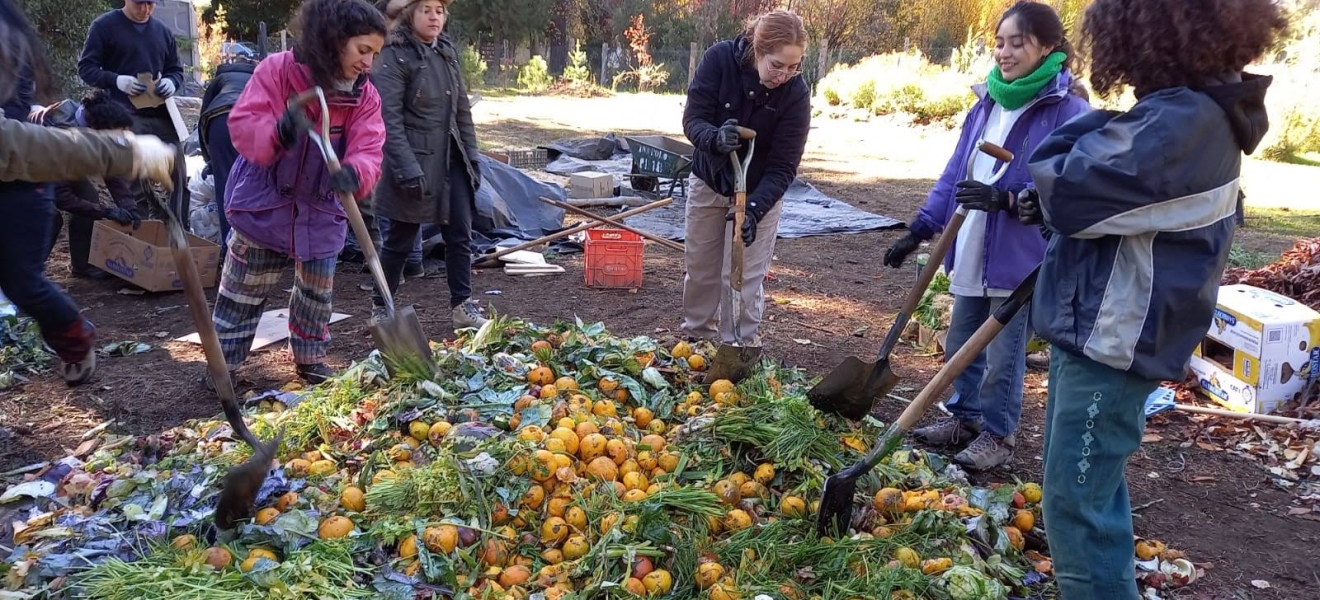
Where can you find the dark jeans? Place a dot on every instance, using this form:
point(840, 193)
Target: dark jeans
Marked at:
point(159, 124)
point(26, 215)
point(80, 227)
point(223, 156)
point(397, 243)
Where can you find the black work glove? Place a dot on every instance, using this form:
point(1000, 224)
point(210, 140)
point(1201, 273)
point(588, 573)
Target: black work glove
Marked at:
point(415, 189)
point(755, 212)
point(979, 196)
point(345, 180)
point(121, 216)
point(726, 139)
point(293, 124)
point(899, 252)
point(1028, 208)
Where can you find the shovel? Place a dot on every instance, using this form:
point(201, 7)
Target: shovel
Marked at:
point(734, 361)
point(238, 493)
point(398, 335)
point(852, 388)
point(836, 505)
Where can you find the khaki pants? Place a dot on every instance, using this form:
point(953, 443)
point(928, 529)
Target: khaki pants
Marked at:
point(707, 307)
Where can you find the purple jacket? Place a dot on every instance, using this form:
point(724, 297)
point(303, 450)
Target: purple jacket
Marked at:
point(1016, 248)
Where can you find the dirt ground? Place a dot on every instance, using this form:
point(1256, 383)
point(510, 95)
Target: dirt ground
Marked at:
point(831, 291)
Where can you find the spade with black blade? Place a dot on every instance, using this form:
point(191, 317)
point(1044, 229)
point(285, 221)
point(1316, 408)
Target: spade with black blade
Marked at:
point(836, 505)
point(852, 388)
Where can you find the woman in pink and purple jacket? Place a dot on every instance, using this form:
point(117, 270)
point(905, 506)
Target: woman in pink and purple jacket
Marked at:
point(281, 200)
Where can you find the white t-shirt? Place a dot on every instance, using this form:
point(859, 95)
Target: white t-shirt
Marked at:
point(969, 249)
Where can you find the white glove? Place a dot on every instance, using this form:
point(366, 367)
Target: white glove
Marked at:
point(152, 159)
point(130, 85)
point(165, 87)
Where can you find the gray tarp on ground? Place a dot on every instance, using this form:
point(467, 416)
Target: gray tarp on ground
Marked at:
point(807, 211)
point(508, 208)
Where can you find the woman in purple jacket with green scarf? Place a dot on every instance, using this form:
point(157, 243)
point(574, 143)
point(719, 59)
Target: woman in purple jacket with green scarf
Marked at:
point(1027, 95)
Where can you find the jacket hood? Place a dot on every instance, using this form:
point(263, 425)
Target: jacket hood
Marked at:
point(236, 67)
point(1242, 96)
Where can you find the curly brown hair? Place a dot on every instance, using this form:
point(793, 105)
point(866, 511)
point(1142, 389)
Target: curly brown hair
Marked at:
point(1157, 44)
point(323, 27)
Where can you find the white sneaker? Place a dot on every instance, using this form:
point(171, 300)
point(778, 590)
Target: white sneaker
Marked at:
point(80, 372)
point(468, 315)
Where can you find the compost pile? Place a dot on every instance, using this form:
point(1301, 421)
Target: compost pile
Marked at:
point(536, 463)
point(1295, 275)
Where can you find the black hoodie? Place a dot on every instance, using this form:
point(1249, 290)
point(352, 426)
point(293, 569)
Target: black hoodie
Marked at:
point(1143, 204)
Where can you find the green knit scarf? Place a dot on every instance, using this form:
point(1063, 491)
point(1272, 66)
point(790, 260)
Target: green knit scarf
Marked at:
point(1015, 94)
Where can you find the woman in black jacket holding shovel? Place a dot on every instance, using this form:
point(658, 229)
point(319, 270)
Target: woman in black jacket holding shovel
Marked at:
point(751, 81)
point(431, 172)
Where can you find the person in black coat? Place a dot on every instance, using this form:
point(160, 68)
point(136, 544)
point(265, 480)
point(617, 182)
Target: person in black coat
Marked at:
point(213, 128)
point(751, 81)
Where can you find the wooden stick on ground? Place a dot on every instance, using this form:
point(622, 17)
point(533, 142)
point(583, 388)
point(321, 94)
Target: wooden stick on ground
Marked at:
point(571, 230)
point(617, 222)
point(1238, 415)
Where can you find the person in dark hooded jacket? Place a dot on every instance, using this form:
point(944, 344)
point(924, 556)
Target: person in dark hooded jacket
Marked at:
point(431, 173)
point(1141, 209)
point(222, 93)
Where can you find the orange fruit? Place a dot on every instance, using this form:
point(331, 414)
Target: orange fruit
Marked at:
point(494, 553)
point(1031, 492)
point(534, 498)
point(299, 467)
point(1015, 538)
point(438, 431)
point(566, 384)
point(569, 438)
point(603, 469)
point(1024, 520)
point(286, 501)
point(558, 506)
point(334, 528)
point(721, 386)
point(549, 392)
point(553, 531)
point(441, 538)
point(765, 473)
point(352, 499)
point(541, 376)
point(576, 518)
point(605, 408)
point(576, 547)
point(585, 429)
point(542, 346)
point(737, 520)
point(708, 574)
point(793, 507)
point(655, 442)
point(658, 582)
point(591, 446)
point(218, 558)
point(607, 385)
point(635, 586)
point(408, 547)
point(697, 362)
point(681, 350)
point(266, 515)
point(617, 450)
point(889, 501)
point(515, 575)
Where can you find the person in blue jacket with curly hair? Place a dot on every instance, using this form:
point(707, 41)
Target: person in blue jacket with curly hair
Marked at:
point(1141, 206)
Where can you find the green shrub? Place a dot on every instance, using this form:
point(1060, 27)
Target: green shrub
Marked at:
point(472, 67)
point(577, 71)
point(831, 96)
point(864, 97)
point(535, 75)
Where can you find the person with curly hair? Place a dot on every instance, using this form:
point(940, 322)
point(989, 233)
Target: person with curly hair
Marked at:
point(1141, 208)
point(80, 197)
point(430, 152)
point(1028, 93)
point(281, 201)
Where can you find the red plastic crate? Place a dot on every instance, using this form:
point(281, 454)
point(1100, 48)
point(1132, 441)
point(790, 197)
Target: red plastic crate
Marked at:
point(614, 258)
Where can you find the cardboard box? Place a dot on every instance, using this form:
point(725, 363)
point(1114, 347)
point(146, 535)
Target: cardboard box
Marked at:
point(143, 257)
point(1261, 351)
point(590, 184)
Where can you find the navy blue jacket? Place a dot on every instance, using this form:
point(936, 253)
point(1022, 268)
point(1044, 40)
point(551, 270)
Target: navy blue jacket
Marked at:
point(221, 93)
point(726, 86)
point(117, 46)
point(1143, 208)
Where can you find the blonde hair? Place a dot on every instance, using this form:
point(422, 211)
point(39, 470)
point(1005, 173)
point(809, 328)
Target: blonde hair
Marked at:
point(772, 31)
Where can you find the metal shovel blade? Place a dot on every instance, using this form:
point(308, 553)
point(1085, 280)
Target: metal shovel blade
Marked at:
point(848, 389)
point(400, 340)
point(733, 363)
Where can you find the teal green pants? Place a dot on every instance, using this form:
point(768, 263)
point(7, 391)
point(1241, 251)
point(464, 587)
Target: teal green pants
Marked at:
point(1093, 422)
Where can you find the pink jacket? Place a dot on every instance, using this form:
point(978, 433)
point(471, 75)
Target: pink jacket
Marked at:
point(281, 199)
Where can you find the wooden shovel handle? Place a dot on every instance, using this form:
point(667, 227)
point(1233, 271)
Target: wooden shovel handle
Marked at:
point(746, 134)
point(996, 151)
point(967, 353)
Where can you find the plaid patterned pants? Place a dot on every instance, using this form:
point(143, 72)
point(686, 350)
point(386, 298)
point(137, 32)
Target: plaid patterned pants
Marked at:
point(250, 274)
